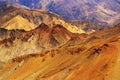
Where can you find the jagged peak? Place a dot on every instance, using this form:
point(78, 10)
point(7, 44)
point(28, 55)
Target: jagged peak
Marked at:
point(59, 26)
point(42, 27)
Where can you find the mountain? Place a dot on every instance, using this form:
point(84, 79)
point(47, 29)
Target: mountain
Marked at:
point(94, 57)
point(32, 18)
point(19, 42)
point(97, 11)
point(18, 22)
point(87, 25)
point(38, 44)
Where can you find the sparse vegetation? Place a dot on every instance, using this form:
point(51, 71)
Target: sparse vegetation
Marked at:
point(106, 45)
point(43, 60)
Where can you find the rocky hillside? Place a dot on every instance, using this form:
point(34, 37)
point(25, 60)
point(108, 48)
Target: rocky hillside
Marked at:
point(20, 42)
point(87, 25)
point(15, 17)
point(94, 57)
point(36, 44)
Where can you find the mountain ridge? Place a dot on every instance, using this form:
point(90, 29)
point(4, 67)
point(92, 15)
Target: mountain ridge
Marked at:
point(39, 39)
point(38, 44)
point(36, 17)
point(66, 62)
point(94, 10)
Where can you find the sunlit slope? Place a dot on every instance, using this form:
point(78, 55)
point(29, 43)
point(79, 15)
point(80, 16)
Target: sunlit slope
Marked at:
point(14, 17)
point(20, 42)
point(94, 58)
point(95, 62)
point(18, 22)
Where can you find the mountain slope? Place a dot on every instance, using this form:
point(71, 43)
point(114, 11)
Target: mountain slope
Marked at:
point(18, 22)
point(13, 42)
point(35, 17)
point(94, 58)
point(95, 10)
